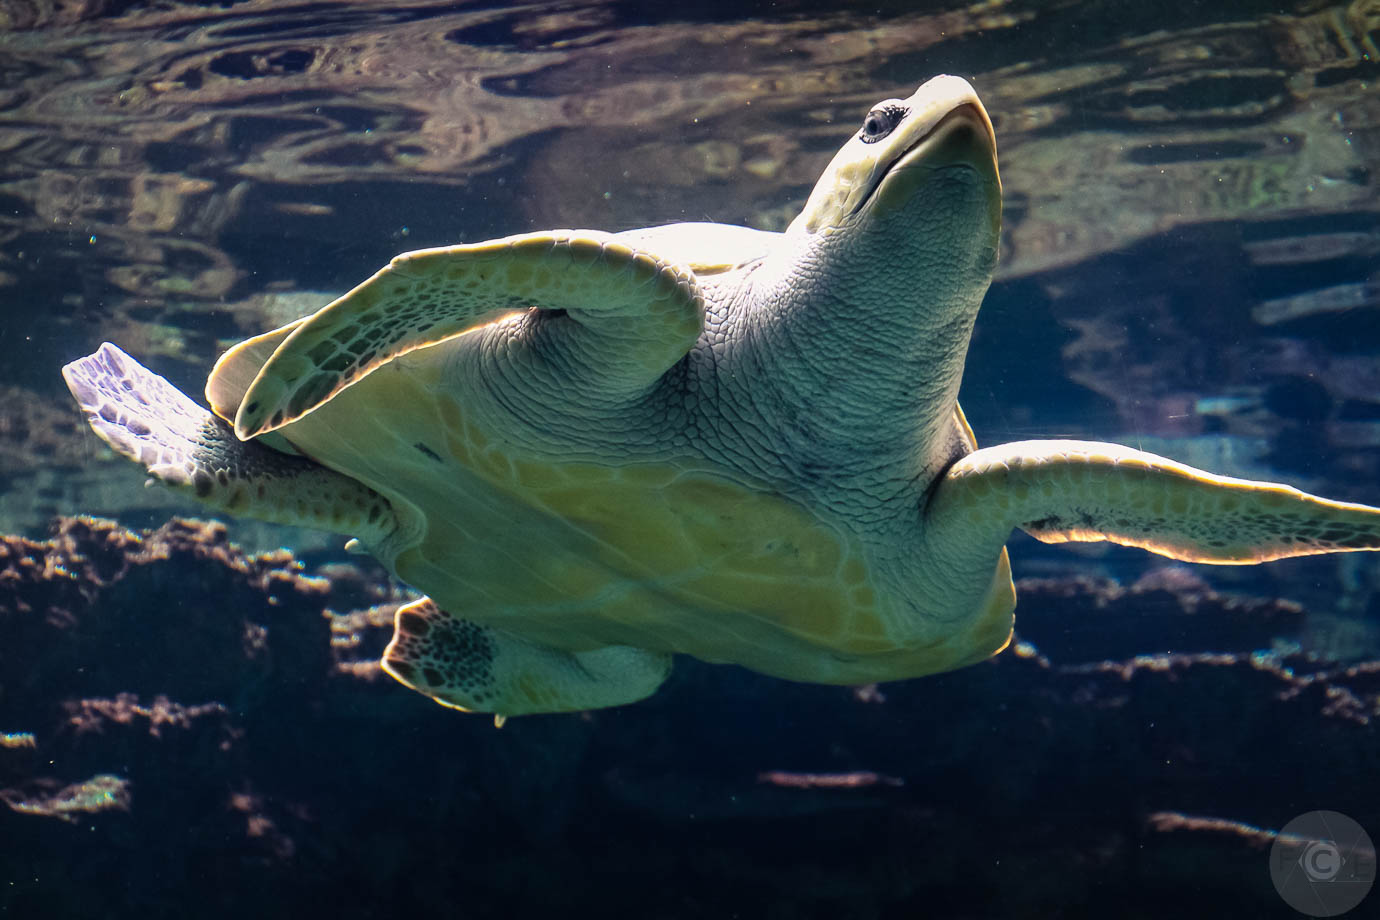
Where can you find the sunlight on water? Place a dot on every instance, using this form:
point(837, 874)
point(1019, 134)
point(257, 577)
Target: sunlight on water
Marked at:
point(1189, 265)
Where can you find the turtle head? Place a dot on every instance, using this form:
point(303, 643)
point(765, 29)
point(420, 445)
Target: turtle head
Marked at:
point(883, 273)
point(882, 173)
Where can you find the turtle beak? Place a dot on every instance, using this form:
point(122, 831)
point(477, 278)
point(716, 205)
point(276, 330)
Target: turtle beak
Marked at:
point(962, 136)
point(945, 126)
point(959, 136)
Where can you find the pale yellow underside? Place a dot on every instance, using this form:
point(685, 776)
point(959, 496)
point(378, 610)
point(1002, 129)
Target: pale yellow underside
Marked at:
point(665, 556)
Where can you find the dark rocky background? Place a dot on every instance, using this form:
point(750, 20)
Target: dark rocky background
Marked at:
point(1191, 264)
point(207, 733)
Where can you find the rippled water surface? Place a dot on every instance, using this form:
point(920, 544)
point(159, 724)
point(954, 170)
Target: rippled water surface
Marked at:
point(1190, 241)
point(1190, 260)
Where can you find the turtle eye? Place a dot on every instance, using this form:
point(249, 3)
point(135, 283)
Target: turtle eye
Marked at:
point(880, 122)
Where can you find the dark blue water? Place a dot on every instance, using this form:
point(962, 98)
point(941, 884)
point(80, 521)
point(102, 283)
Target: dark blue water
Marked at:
point(1190, 264)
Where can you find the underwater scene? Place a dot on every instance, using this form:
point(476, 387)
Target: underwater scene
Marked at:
point(650, 568)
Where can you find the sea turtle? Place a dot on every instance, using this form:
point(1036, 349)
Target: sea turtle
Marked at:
point(595, 450)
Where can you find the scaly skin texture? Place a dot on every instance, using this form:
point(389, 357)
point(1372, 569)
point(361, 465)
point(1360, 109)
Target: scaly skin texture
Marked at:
point(184, 446)
point(758, 504)
point(596, 450)
point(425, 296)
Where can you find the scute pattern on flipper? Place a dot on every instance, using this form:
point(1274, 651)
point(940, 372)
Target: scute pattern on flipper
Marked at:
point(427, 296)
point(1061, 491)
point(149, 421)
point(468, 665)
point(1220, 524)
point(445, 657)
point(236, 369)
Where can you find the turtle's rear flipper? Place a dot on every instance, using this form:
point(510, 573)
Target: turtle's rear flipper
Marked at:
point(1059, 491)
point(462, 664)
point(148, 420)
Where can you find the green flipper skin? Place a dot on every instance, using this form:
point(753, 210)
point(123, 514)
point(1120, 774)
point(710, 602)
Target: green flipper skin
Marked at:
point(646, 313)
point(149, 421)
point(476, 668)
point(1061, 491)
point(236, 369)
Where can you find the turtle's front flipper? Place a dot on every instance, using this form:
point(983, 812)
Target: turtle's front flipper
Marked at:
point(478, 669)
point(1059, 491)
point(644, 312)
point(148, 420)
